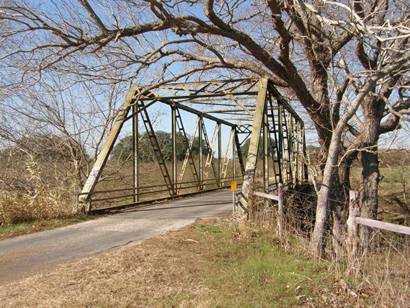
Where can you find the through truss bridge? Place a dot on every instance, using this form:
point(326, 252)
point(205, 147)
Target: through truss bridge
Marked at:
point(189, 137)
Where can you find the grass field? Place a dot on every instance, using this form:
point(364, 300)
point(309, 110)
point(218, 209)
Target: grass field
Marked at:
point(394, 193)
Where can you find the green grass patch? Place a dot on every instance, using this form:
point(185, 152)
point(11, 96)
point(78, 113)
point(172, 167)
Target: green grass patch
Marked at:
point(13, 230)
point(253, 270)
point(392, 181)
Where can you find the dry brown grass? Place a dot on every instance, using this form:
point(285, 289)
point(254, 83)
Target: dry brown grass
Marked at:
point(214, 263)
point(35, 193)
point(386, 269)
point(153, 274)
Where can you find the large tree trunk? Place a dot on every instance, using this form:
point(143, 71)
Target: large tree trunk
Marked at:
point(340, 205)
point(369, 195)
point(373, 110)
point(329, 182)
point(330, 170)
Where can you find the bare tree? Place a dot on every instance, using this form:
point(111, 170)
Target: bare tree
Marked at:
point(340, 60)
point(56, 116)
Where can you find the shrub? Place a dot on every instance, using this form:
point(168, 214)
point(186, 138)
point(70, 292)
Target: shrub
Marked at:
point(40, 200)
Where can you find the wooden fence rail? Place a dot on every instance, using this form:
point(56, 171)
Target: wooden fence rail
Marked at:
point(382, 225)
point(355, 220)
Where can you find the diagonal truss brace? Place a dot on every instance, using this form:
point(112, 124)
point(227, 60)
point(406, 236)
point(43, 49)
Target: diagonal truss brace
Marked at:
point(188, 153)
point(155, 146)
point(210, 149)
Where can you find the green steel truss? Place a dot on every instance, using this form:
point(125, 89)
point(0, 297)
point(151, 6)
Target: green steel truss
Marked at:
point(253, 111)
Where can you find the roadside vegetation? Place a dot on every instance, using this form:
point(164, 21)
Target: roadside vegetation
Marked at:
point(213, 263)
point(12, 230)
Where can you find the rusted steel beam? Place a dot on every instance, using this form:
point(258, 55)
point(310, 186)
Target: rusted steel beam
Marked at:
point(213, 102)
point(282, 101)
point(139, 110)
point(226, 160)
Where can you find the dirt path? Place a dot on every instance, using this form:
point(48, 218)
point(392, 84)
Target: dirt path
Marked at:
point(25, 255)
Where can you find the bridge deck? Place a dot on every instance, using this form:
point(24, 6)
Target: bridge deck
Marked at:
point(25, 255)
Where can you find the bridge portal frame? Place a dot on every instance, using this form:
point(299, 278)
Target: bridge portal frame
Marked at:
point(271, 115)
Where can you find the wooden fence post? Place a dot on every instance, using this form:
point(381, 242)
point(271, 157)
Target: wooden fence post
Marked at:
point(353, 231)
point(280, 210)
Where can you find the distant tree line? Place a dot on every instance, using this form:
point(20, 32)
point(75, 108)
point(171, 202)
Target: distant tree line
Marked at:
point(123, 149)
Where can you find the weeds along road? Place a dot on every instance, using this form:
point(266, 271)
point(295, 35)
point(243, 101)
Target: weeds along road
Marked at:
point(28, 254)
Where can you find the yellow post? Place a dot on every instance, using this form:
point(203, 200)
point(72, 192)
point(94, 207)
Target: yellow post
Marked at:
point(234, 186)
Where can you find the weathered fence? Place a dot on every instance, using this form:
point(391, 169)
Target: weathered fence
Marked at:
point(355, 221)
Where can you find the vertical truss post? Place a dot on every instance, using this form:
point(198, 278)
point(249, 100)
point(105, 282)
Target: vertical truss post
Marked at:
point(274, 145)
point(290, 147)
point(201, 158)
point(305, 169)
point(219, 154)
point(174, 149)
point(88, 188)
point(301, 155)
point(233, 157)
point(135, 150)
point(238, 151)
point(285, 144)
point(297, 152)
point(248, 182)
point(266, 137)
point(300, 152)
point(280, 141)
point(291, 141)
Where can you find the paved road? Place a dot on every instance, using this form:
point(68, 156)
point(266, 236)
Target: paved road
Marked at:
point(28, 254)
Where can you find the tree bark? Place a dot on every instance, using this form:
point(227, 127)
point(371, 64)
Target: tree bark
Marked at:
point(373, 110)
point(340, 208)
point(369, 195)
point(324, 196)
